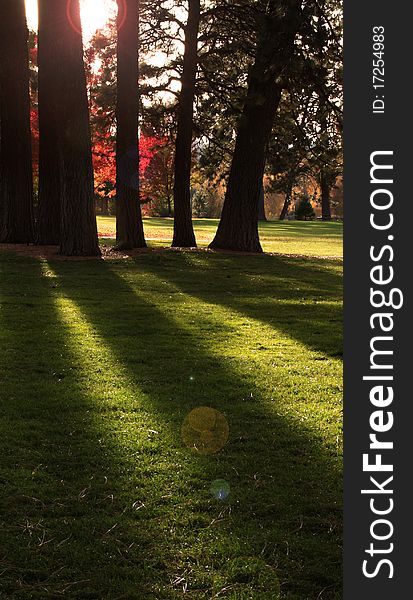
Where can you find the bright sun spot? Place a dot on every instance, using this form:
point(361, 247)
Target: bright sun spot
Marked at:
point(95, 14)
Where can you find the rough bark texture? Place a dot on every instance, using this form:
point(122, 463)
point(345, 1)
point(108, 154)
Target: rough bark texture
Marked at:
point(50, 183)
point(183, 230)
point(16, 183)
point(129, 226)
point(261, 206)
point(238, 227)
point(78, 230)
point(325, 196)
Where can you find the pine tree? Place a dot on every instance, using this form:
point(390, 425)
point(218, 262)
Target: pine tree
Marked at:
point(183, 230)
point(72, 143)
point(129, 226)
point(50, 175)
point(304, 210)
point(16, 183)
point(238, 227)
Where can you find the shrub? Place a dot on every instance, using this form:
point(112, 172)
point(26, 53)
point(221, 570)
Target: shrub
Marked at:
point(304, 210)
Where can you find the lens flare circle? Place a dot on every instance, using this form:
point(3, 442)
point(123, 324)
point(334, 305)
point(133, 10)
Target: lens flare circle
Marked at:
point(205, 430)
point(72, 12)
point(220, 489)
point(122, 14)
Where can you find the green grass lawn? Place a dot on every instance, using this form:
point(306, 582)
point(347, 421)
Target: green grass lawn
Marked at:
point(315, 238)
point(101, 363)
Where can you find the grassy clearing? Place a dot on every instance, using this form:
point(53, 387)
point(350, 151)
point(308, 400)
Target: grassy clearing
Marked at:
point(101, 363)
point(314, 238)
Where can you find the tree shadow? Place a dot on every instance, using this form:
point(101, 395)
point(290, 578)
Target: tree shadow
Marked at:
point(269, 455)
point(66, 530)
point(303, 229)
point(298, 297)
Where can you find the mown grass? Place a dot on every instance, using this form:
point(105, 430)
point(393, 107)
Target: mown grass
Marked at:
point(315, 238)
point(102, 361)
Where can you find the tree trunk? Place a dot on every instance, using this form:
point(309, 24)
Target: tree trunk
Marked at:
point(238, 227)
point(287, 201)
point(324, 178)
point(16, 179)
point(285, 207)
point(129, 225)
point(50, 175)
point(72, 144)
point(261, 206)
point(325, 196)
point(183, 230)
point(78, 232)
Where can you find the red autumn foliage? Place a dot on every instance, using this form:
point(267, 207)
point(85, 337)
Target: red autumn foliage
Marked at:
point(102, 115)
point(104, 162)
point(104, 157)
point(34, 123)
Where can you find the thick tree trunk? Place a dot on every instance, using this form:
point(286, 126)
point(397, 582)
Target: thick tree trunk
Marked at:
point(50, 175)
point(129, 225)
point(261, 206)
point(78, 232)
point(183, 230)
point(238, 227)
point(325, 196)
point(66, 81)
point(16, 180)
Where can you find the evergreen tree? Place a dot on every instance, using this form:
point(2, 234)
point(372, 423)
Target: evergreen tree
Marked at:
point(16, 183)
point(71, 144)
point(129, 226)
point(238, 227)
point(50, 172)
point(183, 230)
point(304, 210)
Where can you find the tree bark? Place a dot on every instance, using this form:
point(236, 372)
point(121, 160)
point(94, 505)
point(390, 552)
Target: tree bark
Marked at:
point(50, 175)
point(285, 207)
point(238, 227)
point(16, 179)
point(72, 144)
point(129, 225)
point(78, 233)
point(183, 229)
point(287, 201)
point(325, 196)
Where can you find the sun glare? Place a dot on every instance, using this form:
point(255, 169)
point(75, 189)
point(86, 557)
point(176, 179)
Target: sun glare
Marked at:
point(95, 15)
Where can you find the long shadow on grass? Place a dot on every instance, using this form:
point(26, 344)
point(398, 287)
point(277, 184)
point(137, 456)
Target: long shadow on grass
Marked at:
point(302, 230)
point(301, 298)
point(66, 528)
point(284, 508)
